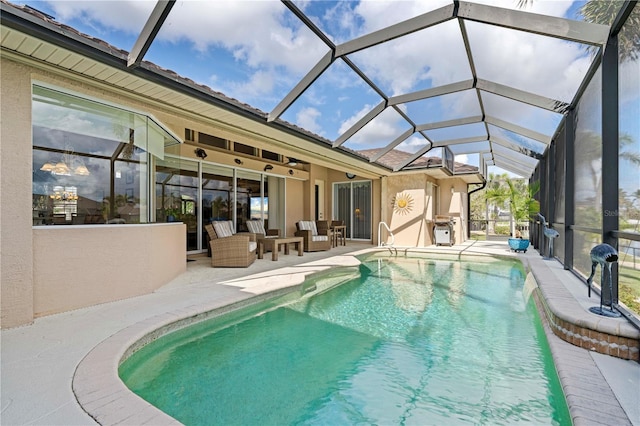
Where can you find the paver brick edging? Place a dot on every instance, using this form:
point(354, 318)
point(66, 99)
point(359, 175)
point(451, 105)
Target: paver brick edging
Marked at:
point(573, 323)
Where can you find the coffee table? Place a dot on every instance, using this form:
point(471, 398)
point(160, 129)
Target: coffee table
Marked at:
point(274, 245)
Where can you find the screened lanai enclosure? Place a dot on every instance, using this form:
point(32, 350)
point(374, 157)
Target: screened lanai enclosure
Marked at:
point(545, 90)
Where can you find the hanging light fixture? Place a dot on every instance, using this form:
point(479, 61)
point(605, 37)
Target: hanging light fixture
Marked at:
point(82, 170)
point(48, 166)
point(67, 165)
point(61, 169)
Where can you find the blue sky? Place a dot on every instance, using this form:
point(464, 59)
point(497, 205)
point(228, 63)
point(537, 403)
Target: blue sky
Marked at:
point(257, 51)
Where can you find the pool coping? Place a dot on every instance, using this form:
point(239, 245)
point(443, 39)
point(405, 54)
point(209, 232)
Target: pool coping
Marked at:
point(96, 384)
point(99, 389)
point(105, 398)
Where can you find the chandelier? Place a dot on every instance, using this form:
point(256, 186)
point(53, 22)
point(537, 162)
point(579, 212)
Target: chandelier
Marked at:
point(68, 165)
point(64, 195)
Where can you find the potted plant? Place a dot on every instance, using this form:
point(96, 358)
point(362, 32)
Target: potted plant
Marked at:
point(172, 215)
point(522, 206)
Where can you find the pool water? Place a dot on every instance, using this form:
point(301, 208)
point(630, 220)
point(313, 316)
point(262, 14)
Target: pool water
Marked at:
point(412, 341)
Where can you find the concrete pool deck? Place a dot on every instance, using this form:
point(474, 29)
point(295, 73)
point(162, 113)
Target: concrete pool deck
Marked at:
point(39, 361)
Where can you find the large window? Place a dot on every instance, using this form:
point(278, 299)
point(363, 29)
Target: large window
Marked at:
point(91, 160)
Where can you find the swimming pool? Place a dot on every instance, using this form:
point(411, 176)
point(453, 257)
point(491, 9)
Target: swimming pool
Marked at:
point(411, 341)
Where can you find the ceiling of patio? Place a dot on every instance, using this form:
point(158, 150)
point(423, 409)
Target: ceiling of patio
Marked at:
point(373, 78)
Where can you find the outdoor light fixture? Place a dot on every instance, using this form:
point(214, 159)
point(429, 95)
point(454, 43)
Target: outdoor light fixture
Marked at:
point(201, 153)
point(238, 161)
point(268, 167)
point(292, 162)
point(350, 175)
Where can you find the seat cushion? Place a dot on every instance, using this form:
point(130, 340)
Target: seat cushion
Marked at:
point(253, 246)
point(320, 238)
point(308, 225)
point(222, 229)
point(231, 227)
point(256, 227)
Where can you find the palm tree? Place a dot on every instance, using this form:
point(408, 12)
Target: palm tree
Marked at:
point(604, 12)
point(522, 202)
point(518, 195)
point(495, 195)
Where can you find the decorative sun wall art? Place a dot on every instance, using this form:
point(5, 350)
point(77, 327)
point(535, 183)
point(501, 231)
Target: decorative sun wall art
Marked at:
point(402, 203)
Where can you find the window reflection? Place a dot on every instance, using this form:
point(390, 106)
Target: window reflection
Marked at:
point(177, 195)
point(90, 160)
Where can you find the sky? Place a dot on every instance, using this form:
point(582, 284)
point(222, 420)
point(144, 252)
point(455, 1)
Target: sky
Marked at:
point(257, 51)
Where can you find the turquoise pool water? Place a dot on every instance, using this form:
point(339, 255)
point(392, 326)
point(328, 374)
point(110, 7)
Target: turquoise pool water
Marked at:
point(412, 341)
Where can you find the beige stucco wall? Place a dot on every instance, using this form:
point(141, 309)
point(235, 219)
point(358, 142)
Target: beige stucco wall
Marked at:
point(414, 227)
point(453, 198)
point(294, 205)
point(48, 270)
point(16, 264)
point(78, 266)
point(411, 228)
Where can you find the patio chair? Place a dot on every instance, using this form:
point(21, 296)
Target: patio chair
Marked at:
point(256, 226)
point(339, 231)
point(229, 250)
point(314, 239)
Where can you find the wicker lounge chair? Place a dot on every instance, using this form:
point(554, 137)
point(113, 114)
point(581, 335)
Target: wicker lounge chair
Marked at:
point(256, 226)
point(314, 239)
point(230, 250)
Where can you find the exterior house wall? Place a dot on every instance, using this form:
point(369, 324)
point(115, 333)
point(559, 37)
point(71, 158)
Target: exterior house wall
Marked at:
point(454, 203)
point(410, 226)
point(413, 226)
point(295, 209)
point(16, 244)
point(40, 267)
point(317, 173)
point(79, 266)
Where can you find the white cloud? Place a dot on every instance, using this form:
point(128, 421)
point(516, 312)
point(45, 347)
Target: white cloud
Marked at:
point(413, 143)
point(261, 83)
point(126, 16)
point(542, 65)
point(273, 50)
point(378, 132)
point(464, 158)
point(255, 31)
point(307, 118)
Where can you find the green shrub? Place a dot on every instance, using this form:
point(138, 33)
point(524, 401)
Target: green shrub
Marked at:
point(502, 230)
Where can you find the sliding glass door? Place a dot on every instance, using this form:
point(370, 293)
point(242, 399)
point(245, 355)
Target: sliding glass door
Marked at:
point(198, 193)
point(177, 195)
point(352, 204)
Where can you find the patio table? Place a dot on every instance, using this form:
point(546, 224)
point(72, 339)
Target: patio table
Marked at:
point(274, 245)
point(339, 232)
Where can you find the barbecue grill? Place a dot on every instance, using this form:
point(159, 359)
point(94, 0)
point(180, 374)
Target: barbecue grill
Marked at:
point(443, 230)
